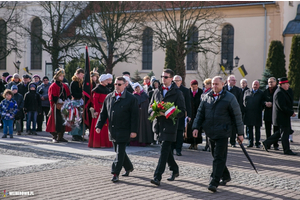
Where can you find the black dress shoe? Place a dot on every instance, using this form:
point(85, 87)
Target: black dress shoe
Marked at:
point(155, 182)
point(223, 182)
point(233, 145)
point(257, 146)
point(276, 148)
point(63, 140)
point(127, 172)
point(178, 154)
point(115, 178)
point(250, 146)
point(172, 177)
point(290, 153)
point(212, 188)
point(75, 138)
point(4, 136)
point(265, 147)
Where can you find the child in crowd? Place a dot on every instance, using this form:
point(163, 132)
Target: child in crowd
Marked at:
point(8, 110)
point(32, 105)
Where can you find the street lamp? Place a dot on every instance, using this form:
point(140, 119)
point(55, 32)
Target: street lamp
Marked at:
point(236, 61)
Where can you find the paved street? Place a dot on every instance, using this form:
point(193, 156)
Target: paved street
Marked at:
point(74, 171)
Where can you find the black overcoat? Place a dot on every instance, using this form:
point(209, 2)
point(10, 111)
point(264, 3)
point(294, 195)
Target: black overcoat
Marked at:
point(195, 102)
point(165, 127)
point(268, 97)
point(253, 106)
point(282, 108)
point(187, 100)
point(237, 92)
point(122, 115)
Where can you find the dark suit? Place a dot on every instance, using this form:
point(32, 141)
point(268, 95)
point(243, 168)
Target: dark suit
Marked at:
point(237, 92)
point(268, 97)
point(166, 129)
point(282, 112)
point(123, 118)
point(253, 106)
point(181, 121)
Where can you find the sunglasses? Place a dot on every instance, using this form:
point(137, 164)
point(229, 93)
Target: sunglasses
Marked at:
point(165, 77)
point(118, 84)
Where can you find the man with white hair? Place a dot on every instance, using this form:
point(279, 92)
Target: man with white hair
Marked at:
point(244, 86)
point(181, 124)
point(237, 92)
point(253, 106)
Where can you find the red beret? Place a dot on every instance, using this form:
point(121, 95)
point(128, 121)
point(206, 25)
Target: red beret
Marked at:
point(194, 82)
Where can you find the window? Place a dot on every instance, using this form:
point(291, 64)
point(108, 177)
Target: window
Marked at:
point(36, 45)
point(227, 45)
point(3, 32)
point(147, 49)
point(192, 56)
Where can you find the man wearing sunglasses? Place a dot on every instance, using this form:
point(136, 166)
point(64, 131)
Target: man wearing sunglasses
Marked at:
point(167, 92)
point(121, 109)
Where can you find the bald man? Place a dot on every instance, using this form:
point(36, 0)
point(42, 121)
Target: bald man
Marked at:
point(253, 103)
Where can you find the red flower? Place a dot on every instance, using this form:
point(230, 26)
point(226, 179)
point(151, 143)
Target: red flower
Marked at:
point(162, 102)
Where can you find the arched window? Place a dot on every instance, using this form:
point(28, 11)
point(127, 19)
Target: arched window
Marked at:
point(227, 45)
point(147, 49)
point(192, 56)
point(3, 32)
point(36, 45)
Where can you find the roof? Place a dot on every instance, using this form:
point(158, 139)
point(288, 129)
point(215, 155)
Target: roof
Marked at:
point(150, 5)
point(293, 26)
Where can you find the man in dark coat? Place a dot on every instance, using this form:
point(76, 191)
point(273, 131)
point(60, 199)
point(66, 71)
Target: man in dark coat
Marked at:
point(253, 106)
point(181, 121)
point(195, 96)
point(217, 114)
point(117, 105)
point(268, 106)
point(237, 92)
point(23, 89)
point(282, 113)
point(167, 92)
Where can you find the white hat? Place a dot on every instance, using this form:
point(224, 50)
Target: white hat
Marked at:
point(103, 77)
point(137, 84)
point(109, 75)
point(127, 79)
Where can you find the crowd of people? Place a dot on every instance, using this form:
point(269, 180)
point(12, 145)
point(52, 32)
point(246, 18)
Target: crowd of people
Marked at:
point(119, 115)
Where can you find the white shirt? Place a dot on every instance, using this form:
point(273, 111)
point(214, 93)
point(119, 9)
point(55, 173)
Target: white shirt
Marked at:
point(229, 87)
point(165, 91)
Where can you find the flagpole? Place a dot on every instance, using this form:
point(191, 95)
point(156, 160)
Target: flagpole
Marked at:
point(83, 124)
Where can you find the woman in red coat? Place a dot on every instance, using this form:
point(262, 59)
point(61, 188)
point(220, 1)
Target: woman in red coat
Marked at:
point(58, 92)
point(99, 93)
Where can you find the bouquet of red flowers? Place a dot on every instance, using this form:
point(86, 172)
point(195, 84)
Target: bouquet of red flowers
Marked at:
point(167, 108)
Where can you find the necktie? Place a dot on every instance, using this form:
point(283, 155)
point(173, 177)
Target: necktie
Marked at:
point(230, 88)
point(116, 94)
point(215, 95)
point(165, 88)
point(194, 93)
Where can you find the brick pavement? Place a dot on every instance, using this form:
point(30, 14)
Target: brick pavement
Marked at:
point(278, 178)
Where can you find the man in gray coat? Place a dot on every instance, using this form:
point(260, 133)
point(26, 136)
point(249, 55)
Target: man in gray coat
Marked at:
point(218, 112)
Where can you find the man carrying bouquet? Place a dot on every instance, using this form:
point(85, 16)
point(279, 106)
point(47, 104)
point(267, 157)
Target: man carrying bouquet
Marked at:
point(165, 126)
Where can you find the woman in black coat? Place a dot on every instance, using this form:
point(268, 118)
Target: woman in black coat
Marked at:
point(195, 93)
point(144, 134)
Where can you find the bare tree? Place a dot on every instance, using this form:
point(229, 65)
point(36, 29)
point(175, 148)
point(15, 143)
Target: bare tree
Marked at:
point(113, 29)
point(179, 20)
point(207, 67)
point(57, 38)
point(8, 29)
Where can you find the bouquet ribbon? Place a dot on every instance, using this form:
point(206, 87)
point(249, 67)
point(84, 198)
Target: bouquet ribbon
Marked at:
point(170, 111)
